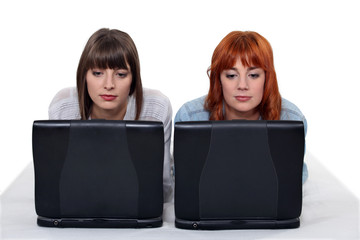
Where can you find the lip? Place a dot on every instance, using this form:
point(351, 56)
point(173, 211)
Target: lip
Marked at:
point(242, 98)
point(108, 97)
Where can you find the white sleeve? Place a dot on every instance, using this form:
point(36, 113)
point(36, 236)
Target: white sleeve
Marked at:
point(65, 105)
point(168, 161)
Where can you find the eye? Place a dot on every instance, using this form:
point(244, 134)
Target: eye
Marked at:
point(254, 75)
point(96, 73)
point(231, 76)
point(122, 75)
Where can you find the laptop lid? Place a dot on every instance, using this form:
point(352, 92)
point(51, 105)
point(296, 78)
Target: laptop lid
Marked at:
point(238, 174)
point(98, 173)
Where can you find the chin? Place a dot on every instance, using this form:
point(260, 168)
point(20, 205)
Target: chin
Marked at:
point(107, 107)
point(244, 109)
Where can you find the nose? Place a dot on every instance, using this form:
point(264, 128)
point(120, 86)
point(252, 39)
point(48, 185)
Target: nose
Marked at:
point(242, 83)
point(109, 82)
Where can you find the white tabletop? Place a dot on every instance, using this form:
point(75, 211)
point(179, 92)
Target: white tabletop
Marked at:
point(329, 211)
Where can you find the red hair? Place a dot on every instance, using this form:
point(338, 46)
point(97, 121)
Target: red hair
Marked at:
point(253, 50)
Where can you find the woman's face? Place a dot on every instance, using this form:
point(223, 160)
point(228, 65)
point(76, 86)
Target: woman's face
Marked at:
point(243, 89)
point(109, 90)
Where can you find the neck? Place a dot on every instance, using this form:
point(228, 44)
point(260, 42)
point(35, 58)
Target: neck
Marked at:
point(98, 113)
point(249, 115)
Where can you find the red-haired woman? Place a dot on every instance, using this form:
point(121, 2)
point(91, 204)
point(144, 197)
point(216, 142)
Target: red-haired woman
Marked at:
point(243, 85)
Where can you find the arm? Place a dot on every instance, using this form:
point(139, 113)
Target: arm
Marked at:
point(168, 161)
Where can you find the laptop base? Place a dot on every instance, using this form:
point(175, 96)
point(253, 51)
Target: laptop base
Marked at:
point(99, 222)
point(237, 224)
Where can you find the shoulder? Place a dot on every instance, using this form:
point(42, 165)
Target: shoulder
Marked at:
point(156, 106)
point(65, 105)
point(155, 95)
point(193, 111)
point(289, 111)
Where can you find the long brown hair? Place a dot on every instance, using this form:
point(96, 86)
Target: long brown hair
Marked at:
point(108, 49)
point(253, 49)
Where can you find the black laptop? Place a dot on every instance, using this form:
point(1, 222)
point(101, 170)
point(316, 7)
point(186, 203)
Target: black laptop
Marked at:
point(238, 174)
point(98, 173)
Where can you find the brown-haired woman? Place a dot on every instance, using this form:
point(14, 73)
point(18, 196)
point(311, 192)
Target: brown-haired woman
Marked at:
point(243, 85)
point(109, 87)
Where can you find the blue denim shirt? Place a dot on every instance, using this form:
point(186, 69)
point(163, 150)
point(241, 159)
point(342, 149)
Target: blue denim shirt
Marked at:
point(194, 111)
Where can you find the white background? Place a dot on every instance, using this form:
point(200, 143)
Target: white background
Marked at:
point(316, 47)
